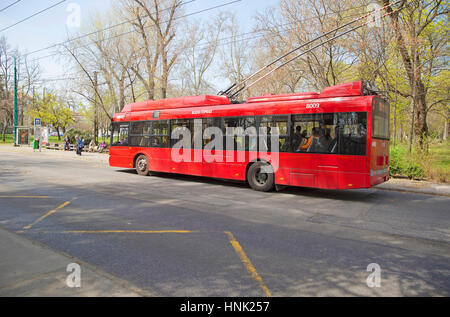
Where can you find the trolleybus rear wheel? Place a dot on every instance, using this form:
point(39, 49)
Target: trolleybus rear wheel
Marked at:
point(261, 177)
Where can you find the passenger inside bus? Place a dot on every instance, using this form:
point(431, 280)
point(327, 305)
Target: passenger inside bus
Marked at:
point(303, 141)
point(314, 145)
point(266, 146)
point(297, 137)
point(307, 144)
point(165, 142)
point(332, 148)
point(324, 140)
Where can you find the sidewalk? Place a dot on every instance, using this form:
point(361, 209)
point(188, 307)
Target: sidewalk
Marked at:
point(420, 187)
point(30, 269)
point(86, 156)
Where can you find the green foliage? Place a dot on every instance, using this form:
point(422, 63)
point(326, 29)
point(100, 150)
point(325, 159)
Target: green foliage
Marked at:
point(8, 138)
point(85, 135)
point(396, 161)
point(402, 164)
point(414, 170)
point(52, 112)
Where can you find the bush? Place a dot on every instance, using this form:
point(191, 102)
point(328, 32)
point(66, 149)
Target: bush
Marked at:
point(397, 164)
point(402, 164)
point(414, 170)
point(85, 135)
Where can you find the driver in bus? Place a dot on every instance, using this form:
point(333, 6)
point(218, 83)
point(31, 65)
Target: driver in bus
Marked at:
point(297, 138)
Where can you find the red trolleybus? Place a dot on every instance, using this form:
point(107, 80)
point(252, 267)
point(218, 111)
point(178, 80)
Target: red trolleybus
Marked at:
point(336, 139)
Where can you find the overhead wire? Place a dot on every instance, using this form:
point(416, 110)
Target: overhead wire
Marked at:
point(32, 16)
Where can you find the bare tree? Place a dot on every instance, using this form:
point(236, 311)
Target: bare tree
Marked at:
point(28, 74)
point(236, 55)
point(199, 55)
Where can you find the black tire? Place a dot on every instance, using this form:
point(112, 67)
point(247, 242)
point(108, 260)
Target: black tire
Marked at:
point(142, 165)
point(261, 177)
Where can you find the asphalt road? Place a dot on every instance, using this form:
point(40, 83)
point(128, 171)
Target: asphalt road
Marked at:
point(173, 235)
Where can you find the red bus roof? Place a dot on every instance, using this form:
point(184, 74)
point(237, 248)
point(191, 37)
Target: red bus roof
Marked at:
point(203, 105)
point(175, 103)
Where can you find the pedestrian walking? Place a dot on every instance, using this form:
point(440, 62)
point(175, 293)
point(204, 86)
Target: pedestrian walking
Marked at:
point(79, 144)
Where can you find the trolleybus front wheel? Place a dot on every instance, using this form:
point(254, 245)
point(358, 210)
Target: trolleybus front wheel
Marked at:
point(142, 165)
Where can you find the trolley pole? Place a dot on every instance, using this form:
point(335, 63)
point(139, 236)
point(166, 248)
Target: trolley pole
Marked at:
point(15, 116)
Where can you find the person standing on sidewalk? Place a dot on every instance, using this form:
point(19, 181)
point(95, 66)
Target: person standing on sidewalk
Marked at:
point(66, 143)
point(35, 145)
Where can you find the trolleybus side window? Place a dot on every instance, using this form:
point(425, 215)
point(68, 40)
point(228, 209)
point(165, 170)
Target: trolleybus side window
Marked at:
point(274, 125)
point(140, 133)
point(311, 128)
point(240, 132)
point(179, 129)
point(140, 128)
point(210, 123)
point(330, 133)
point(160, 134)
point(119, 135)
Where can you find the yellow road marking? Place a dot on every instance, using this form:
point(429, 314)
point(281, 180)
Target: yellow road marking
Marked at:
point(37, 197)
point(51, 212)
point(128, 231)
point(247, 263)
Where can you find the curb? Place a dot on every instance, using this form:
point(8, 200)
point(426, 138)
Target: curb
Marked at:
point(424, 191)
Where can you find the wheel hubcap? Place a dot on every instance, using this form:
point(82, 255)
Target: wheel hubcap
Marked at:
point(142, 164)
point(261, 177)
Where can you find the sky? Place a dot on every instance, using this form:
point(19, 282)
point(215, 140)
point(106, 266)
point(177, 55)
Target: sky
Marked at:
point(58, 23)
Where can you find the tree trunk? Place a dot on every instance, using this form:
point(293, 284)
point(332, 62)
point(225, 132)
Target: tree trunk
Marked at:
point(164, 76)
point(57, 132)
point(4, 133)
point(121, 95)
point(394, 139)
point(411, 130)
point(445, 135)
point(420, 124)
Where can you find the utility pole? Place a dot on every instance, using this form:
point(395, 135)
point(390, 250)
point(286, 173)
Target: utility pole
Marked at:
point(95, 107)
point(24, 100)
point(15, 116)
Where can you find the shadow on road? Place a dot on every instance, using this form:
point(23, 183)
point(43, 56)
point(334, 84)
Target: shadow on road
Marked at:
point(356, 195)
